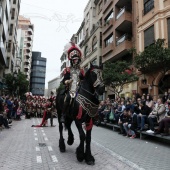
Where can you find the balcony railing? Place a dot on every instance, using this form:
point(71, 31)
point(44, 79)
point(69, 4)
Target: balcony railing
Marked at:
point(123, 38)
point(121, 12)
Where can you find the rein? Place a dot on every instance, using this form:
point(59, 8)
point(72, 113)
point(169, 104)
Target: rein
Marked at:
point(88, 91)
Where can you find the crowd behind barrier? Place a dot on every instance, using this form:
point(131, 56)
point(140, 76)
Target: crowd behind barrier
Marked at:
point(137, 114)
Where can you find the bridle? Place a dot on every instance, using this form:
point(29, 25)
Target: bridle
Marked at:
point(98, 81)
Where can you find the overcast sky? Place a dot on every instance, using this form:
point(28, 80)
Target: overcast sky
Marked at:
point(55, 21)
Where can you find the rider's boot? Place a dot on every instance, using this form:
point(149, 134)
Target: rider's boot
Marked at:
point(63, 115)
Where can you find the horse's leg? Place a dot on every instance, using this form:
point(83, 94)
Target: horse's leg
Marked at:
point(88, 156)
point(70, 140)
point(61, 140)
point(80, 148)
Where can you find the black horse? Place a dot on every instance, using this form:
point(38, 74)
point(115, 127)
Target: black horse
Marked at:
point(82, 110)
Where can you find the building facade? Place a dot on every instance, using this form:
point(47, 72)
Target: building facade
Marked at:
point(53, 85)
point(9, 10)
point(153, 22)
point(38, 73)
point(25, 44)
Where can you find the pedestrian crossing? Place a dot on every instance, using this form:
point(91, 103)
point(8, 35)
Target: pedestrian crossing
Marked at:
point(43, 136)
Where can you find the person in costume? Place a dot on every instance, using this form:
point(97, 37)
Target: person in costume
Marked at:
point(72, 75)
point(52, 106)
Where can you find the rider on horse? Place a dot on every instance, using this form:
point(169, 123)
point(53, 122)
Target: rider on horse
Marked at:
point(72, 75)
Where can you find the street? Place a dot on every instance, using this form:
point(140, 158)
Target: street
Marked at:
point(23, 147)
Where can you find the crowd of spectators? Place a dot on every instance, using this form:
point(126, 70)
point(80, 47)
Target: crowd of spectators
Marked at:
point(139, 113)
point(10, 109)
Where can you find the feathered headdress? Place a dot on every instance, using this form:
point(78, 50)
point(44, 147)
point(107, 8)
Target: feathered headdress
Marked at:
point(71, 49)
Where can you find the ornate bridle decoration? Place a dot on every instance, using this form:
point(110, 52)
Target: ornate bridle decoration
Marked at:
point(88, 101)
point(89, 106)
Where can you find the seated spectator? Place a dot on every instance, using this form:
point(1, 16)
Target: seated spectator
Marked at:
point(164, 124)
point(144, 111)
point(119, 111)
point(128, 125)
point(100, 112)
point(122, 120)
point(157, 114)
point(149, 102)
point(107, 110)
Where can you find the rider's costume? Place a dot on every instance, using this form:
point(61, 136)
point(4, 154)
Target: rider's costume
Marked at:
point(72, 75)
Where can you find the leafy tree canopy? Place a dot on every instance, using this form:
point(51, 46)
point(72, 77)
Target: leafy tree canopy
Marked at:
point(19, 84)
point(117, 74)
point(154, 58)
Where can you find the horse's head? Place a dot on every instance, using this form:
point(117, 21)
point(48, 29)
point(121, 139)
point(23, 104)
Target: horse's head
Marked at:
point(94, 77)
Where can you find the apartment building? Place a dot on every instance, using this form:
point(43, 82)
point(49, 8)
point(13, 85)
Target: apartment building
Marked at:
point(153, 22)
point(38, 72)
point(9, 10)
point(91, 42)
point(118, 35)
point(13, 60)
point(25, 36)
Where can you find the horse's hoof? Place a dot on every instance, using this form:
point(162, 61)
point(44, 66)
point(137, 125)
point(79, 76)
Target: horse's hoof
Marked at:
point(62, 150)
point(90, 163)
point(62, 145)
point(80, 154)
point(70, 140)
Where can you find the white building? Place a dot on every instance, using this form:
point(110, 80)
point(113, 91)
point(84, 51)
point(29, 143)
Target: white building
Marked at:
point(53, 85)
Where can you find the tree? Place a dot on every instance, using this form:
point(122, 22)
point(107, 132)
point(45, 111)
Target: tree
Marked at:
point(17, 85)
point(155, 58)
point(117, 75)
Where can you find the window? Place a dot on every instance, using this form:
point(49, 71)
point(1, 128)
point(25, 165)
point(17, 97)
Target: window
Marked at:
point(168, 23)
point(13, 13)
point(148, 6)
point(86, 51)
point(149, 37)
point(14, 2)
point(94, 43)
point(108, 40)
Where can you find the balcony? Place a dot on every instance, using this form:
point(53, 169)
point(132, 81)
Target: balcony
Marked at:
point(107, 5)
point(107, 25)
point(30, 32)
point(28, 44)
point(121, 3)
point(27, 61)
point(108, 49)
point(123, 38)
point(122, 46)
point(27, 56)
point(124, 21)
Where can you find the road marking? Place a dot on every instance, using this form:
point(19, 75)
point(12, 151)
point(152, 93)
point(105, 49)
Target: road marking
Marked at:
point(37, 148)
point(54, 158)
point(50, 148)
point(39, 159)
point(35, 131)
point(35, 128)
point(36, 138)
point(45, 138)
point(42, 130)
point(35, 134)
point(121, 158)
point(44, 134)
